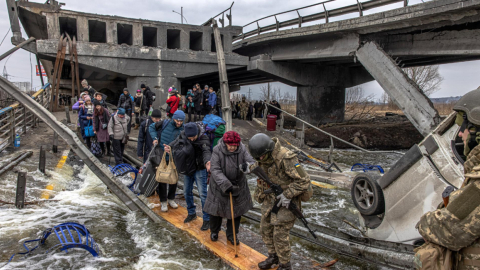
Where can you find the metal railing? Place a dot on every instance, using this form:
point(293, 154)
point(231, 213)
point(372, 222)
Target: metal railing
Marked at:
point(15, 118)
point(222, 20)
point(360, 7)
point(331, 135)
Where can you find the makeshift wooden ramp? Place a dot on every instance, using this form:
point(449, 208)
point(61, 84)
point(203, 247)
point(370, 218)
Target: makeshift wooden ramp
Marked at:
point(247, 259)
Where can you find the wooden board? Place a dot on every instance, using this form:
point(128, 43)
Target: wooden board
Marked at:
point(247, 259)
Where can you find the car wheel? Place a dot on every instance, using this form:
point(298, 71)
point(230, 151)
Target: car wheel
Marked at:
point(367, 195)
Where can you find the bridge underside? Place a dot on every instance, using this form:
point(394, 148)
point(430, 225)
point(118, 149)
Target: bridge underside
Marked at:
point(322, 60)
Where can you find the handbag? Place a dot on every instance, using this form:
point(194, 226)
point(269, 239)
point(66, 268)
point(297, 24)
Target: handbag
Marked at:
point(138, 109)
point(88, 130)
point(95, 148)
point(167, 173)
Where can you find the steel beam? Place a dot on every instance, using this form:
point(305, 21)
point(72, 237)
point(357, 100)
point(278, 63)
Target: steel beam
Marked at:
point(405, 93)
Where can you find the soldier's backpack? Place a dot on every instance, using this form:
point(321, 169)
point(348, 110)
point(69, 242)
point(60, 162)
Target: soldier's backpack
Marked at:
point(306, 195)
point(431, 256)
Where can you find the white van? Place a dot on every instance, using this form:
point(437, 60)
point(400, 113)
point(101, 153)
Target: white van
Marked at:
point(391, 205)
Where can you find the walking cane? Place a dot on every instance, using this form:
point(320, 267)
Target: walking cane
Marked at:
point(233, 225)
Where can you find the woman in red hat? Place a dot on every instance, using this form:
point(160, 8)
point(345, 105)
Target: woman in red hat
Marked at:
point(229, 158)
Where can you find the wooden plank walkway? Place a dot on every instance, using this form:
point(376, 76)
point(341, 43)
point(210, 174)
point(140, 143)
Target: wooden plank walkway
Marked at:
point(247, 259)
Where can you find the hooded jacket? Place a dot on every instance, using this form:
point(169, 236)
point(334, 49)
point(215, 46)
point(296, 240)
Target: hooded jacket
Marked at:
point(126, 102)
point(225, 172)
point(200, 150)
point(149, 96)
point(145, 141)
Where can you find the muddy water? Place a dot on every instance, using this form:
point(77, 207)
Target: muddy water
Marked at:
point(131, 241)
point(126, 240)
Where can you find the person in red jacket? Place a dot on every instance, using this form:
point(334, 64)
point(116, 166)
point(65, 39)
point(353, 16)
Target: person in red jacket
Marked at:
point(173, 101)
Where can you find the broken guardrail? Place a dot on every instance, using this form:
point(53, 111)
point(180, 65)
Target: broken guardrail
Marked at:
point(15, 118)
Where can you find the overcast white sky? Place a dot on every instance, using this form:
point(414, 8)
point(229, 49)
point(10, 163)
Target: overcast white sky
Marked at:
point(459, 78)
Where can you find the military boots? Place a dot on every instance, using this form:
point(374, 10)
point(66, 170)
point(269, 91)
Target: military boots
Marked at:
point(269, 262)
point(287, 266)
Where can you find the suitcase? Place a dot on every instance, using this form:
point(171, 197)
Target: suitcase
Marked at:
point(147, 184)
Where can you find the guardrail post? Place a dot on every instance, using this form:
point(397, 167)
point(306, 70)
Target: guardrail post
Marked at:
point(24, 120)
point(21, 187)
point(12, 126)
point(74, 100)
point(42, 161)
point(330, 153)
point(55, 142)
point(67, 112)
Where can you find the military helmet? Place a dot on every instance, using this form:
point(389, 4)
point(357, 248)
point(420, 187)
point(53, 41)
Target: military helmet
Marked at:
point(260, 144)
point(470, 104)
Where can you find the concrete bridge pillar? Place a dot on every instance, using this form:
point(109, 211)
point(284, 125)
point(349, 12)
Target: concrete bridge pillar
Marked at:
point(321, 104)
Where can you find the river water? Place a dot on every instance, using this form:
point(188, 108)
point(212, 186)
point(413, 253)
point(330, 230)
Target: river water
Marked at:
point(127, 240)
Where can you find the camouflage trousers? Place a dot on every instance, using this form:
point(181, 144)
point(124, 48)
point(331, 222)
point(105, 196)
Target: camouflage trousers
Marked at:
point(243, 114)
point(277, 238)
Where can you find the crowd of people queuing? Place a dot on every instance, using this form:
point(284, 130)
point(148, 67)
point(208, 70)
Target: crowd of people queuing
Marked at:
point(216, 165)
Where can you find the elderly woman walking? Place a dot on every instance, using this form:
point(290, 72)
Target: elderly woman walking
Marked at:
point(227, 176)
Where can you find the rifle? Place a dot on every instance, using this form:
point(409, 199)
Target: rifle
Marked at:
point(277, 189)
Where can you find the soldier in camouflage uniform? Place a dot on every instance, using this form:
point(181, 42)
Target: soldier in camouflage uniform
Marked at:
point(282, 168)
point(457, 226)
point(243, 109)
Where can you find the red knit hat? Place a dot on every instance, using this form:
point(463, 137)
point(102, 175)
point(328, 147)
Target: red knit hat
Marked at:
point(232, 138)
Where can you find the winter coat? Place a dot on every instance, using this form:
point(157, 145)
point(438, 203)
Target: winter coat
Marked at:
point(91, 91)
point(219, 98)
point(206, 95)
point(98, 121)
point(201, 148)
point(212, 99)
point(141, 101)
point(126, 102)
point(118, 129)
point(82, 119)
point(197, 100)
point(225, 172)
point(77, 105)
point(165, 136)
point(149, 97)
point(173, 101)
point(145, 141)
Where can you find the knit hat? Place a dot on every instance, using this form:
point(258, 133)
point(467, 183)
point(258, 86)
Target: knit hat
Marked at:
point(232, 138)
point(139, 91)
point(143, 85)
point(96, 102)
point(86, 98)
point(85, 89)
point(83, 94)
point(206, 86)
point(157, 113)
point(191, 130)
point(121, 111)
point(125, 89)
point(179, 115)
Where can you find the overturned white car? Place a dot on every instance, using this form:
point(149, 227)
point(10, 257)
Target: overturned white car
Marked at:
point(392, 204)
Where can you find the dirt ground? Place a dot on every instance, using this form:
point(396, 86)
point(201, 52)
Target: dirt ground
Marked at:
point(380, 132)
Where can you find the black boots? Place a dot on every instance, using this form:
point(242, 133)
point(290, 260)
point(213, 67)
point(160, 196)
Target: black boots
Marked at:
point(230, 238)
point(269, 262)
point(205, 226)
point(190, 218)
point(214, 236)
point(287, 266)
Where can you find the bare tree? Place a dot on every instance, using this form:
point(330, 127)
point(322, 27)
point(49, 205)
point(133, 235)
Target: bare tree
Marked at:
point(427, 78)
point(357, 105)
point(274, 93)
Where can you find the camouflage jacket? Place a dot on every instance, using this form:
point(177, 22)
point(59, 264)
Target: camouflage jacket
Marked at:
point(458, 225)
point(283, 172)
point(243, 106)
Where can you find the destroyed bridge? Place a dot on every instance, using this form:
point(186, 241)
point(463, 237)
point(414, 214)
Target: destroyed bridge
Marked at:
point(321, 60)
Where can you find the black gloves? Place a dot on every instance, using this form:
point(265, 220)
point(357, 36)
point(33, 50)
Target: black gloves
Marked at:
point(111, 137)
point(229, 190)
